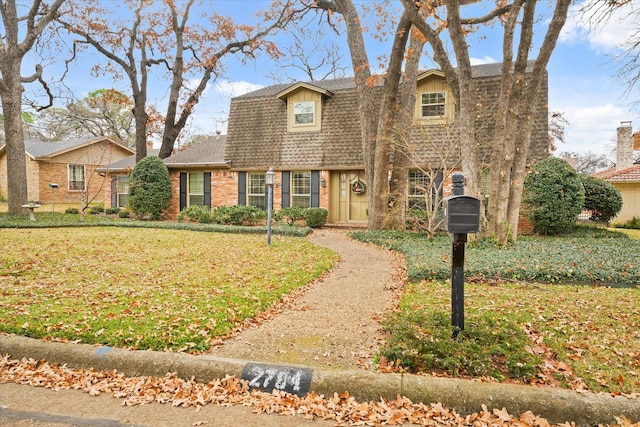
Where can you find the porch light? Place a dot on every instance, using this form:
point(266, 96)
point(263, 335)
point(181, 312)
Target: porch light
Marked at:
point(269, 180)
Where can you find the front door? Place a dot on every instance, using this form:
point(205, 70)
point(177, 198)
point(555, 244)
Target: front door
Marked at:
point(348, 202)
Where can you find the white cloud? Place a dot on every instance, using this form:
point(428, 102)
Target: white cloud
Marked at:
point(593, 128)
point(603, 35)
point(484, 60)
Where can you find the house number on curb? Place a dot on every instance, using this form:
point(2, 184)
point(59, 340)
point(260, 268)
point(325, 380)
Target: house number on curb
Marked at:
point(272, 377)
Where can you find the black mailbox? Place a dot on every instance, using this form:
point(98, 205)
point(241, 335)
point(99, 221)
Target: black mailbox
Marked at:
point(462, 214)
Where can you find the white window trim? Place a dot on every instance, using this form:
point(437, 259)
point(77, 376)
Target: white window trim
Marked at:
point(293, 187)
point(262, 194)
point(84, 177)
point(314, 112)
point(444, 105)
point(190, 193)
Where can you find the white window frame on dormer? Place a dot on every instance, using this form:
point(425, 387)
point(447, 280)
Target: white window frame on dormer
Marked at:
point(427, 102)
point(304, 109)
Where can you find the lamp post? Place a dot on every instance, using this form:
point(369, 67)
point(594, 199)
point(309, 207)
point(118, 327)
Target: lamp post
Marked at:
point(269, 180)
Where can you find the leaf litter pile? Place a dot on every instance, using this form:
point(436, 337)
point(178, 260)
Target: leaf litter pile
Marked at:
point(341, 408)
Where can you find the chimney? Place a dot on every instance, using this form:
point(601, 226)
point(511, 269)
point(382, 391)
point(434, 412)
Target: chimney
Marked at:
point(624, 147)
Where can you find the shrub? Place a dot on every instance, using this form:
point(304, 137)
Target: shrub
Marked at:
point(112, 211)
point(237, 215)
point(315, 217)
point(633, 223)
point(201, 214)
point(290, 215)
point(95, 210)
point(601, 197)
point(149, 188)
point(71, 211)
point(553, 196)
point(124, 214)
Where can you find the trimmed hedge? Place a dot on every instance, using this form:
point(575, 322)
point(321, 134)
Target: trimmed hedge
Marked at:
point(601, 197)
point(553, 196)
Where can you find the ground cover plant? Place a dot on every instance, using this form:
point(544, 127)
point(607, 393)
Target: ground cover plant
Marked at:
point(537, 313)
point(147, 289)
point(590, 255)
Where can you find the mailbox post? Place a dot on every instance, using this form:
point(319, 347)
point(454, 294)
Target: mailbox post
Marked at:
point(53, 186)
point(462, 217)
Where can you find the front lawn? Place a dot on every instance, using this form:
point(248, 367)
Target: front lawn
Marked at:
point(541, 312)
point(146, 288)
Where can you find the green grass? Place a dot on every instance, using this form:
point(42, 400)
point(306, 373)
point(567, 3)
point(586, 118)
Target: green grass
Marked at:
point(145, 288)
point(560, 333)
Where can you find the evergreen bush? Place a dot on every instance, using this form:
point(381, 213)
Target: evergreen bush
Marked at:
point(553, 196)
point(290, 215)
point(315, 217)
point(237, 215)
point(601, 197)
point(149, 188)
point(201, 214)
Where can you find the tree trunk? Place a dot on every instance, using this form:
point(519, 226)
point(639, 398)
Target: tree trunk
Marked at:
point(14, 137)
point(366, 104)
point(402, 153)
point(466, 103)
point(529, 101)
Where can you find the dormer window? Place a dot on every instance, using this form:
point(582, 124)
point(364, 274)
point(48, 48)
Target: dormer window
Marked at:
point(304, 106)
point(432, 104)
point(304, 113)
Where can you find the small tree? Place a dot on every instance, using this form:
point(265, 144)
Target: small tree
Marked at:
point(553, 196)
point(149, 188)
point(601, 198)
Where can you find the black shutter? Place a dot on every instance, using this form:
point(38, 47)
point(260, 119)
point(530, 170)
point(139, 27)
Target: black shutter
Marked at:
point(315, 189)
point(242, 188)
point(286, 188)
point(207, 189)
point(114, 192)
point(183, 190)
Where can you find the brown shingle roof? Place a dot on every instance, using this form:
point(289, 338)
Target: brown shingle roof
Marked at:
point(209, 152)
point(258, 137)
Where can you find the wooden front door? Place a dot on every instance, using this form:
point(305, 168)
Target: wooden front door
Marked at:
point(348, 202)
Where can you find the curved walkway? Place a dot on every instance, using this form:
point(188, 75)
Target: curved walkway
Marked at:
point(335, 322)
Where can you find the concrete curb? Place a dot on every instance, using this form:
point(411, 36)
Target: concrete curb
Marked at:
point(556, 405)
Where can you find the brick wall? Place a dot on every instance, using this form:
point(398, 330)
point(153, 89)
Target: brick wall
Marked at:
point(58, 173)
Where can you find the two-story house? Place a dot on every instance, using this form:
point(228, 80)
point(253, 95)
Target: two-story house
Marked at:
point(310, 134)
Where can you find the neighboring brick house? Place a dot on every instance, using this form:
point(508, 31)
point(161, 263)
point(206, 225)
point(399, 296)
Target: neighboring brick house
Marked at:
point(310, 134)
point(69, 164)
point(625, 176)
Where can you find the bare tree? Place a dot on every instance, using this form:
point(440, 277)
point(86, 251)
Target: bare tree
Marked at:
point(23, 26)
point(104, 112)
point(517, 101)
point(587, 163)
point(598, 13)
point(160, 34)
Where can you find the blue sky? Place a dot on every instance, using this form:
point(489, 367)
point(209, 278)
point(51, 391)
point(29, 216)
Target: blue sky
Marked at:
point(582, 81)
